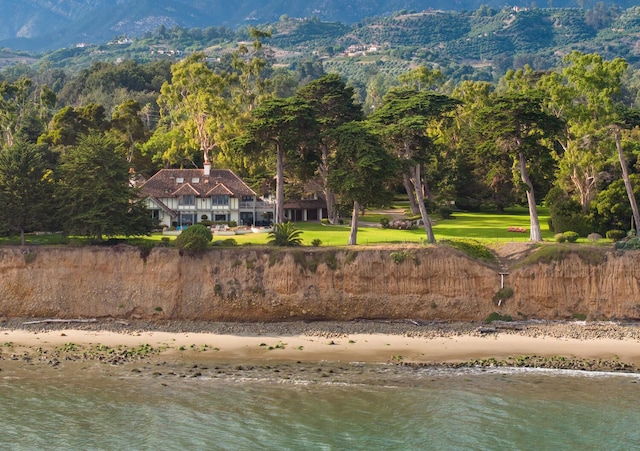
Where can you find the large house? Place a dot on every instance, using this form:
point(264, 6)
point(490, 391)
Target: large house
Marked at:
point(182, 197)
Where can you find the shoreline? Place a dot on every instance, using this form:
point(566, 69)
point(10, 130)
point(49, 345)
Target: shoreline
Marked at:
point(566, 345)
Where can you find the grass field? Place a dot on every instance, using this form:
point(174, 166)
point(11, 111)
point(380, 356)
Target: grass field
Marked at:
point(489, 227)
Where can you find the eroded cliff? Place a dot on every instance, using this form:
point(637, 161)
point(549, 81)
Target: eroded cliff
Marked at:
point(268, 284)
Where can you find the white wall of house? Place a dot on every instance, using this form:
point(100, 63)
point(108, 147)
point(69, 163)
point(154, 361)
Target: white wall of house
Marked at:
point(242, 212)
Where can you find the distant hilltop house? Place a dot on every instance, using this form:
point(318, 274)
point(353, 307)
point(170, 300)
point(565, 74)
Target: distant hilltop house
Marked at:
point(182, 197)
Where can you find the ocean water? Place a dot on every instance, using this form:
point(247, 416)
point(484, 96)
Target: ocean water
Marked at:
point(430, 409)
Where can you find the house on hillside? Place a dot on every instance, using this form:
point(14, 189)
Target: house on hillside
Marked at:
point(182, 197)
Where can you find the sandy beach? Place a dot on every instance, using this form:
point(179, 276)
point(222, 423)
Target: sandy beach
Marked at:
point(367, 342)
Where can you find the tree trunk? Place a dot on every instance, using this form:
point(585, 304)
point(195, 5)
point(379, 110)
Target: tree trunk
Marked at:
point(425, 188)
point(329, 196)
point(417, 181)
point(353, 234)
point(627, 181)
point(409, 189)
point(535, 234)
point(23, 240)
point(279, 185)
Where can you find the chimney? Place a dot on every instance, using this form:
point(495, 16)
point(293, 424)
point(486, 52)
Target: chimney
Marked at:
point(207, 169)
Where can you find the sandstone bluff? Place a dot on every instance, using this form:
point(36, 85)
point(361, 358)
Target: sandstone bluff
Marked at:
point(262, 284)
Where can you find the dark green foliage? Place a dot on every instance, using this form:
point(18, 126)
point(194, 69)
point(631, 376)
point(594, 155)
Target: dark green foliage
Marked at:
point(285, 234)
point(571, 237)
point(316, 242)
point(145, 250)
point(25, 189)
point(445, 212)
point(611, 207)
point(360, 167)
point(194, 239)
point(96, 194)
point(628, 245)
point(566, 213)
point(615, 234)
point(495, 316)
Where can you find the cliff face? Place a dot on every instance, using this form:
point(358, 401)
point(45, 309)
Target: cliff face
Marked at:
point(262, 284)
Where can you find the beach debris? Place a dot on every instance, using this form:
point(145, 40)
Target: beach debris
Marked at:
point(53, 320)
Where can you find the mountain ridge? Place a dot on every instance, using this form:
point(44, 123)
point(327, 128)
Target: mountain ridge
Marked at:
point(38, 25)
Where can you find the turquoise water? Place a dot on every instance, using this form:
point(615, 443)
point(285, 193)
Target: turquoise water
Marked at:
point(421, 410)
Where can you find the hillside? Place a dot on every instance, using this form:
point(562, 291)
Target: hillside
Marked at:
point(39, 25)
point(478, 44)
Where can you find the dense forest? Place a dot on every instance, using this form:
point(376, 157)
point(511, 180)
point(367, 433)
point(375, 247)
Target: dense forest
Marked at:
point(565, 135)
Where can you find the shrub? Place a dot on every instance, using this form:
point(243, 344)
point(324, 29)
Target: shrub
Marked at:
point(502, 295)
point(615, 234)
point(445, 212)
point(559, 238)
point(145, 250)
point(558, 252)
point(566, 213)
point(194, 239)
point(571, 237)
point(30, 257)
point(594, 237)
point(227, 242)
point(472, 248)
point(495, 316)
point(325, 221)
point(629, 245)
point(384, 222)
point(285, 234)
point(400, 256)
point(317, 242)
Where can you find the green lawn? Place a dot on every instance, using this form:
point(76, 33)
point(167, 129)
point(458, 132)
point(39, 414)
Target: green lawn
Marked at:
point(482, 226)
point(492, 226)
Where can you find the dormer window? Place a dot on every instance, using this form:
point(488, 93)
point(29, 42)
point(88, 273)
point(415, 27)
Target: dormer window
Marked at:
point(179, 180)
point(195, 180)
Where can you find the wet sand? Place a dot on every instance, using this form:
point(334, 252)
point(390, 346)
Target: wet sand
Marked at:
point(367, 342)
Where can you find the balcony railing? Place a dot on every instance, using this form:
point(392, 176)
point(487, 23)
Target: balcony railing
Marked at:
point(256, 204)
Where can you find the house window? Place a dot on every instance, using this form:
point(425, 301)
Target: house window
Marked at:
point(187, 219)
point(179, 180)
point(155, 214)
point(188, 200)
point(220, 200)
point(246, 218)
point(247, 198)
point(195, 180)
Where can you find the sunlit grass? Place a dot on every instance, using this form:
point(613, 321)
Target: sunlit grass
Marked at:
point(481, 226)
point(492, 226)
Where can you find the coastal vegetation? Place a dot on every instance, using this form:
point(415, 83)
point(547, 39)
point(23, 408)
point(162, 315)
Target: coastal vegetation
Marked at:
point(560, 138)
